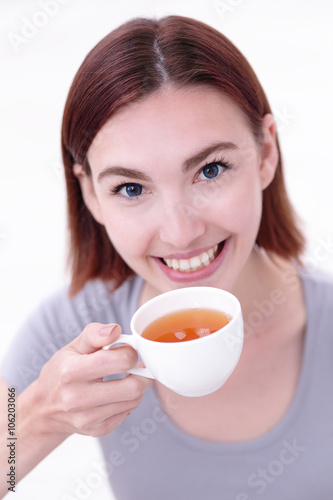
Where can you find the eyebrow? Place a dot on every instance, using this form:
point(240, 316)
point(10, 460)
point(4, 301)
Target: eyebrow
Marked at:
point(124, 172)
point(188, 164)
point(202, 155)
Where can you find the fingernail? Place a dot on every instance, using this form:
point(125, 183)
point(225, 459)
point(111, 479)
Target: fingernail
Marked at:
point(107, 330)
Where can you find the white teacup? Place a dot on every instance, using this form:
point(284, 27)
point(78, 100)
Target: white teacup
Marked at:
point(194, 367)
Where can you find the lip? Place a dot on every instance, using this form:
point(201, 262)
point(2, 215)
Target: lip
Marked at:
point(188, 255)
point(205, 272)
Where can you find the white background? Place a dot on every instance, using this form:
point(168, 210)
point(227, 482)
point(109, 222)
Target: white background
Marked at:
point(289, 43)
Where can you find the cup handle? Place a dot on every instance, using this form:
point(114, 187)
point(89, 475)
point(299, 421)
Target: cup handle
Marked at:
point(130, 340)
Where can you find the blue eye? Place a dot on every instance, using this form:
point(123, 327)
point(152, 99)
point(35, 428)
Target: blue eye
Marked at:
point(131, 190)
point(128, 190)
point(212, 170)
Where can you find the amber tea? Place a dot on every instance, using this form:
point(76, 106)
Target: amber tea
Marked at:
point(189, 324)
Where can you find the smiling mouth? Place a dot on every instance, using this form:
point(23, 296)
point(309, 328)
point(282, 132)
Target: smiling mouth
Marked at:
point(194, 263)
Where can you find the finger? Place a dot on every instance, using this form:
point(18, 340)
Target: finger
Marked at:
point(85, 420)
point(85, 396)
point(102, 363)
point(94, 337)
point(108, 425)
point(131, 387)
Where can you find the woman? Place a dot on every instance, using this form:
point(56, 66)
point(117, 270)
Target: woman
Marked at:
point(174, 178)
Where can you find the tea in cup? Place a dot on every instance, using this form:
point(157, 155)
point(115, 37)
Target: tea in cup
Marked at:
point(189, 339)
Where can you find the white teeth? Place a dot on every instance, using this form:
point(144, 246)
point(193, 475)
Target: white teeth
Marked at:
point(194, 263)
point(210, 253)
point(175, 264)
point(184, 265)
point(205, 257)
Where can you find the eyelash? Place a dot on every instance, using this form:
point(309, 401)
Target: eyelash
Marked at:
point(221, 162)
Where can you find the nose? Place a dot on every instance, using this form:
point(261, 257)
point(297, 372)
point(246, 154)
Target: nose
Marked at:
point(180, 225)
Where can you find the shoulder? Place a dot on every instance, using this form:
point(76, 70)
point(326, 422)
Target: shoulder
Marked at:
point(318, 296)
point(318, 286)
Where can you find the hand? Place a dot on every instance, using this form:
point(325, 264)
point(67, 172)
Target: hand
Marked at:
point(71, 394)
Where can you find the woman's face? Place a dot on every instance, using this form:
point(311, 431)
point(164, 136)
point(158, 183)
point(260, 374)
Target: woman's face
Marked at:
point(177, 182)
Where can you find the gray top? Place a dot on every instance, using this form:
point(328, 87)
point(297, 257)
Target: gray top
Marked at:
point(149, 457)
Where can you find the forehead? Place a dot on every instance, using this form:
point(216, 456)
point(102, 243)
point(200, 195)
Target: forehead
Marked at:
point(170, 121)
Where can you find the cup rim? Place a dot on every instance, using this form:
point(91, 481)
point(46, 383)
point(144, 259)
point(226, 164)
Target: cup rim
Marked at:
point(152, 301)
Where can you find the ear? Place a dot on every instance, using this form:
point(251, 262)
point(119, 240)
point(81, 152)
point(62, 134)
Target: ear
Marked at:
point(88, 192)
point(269, 151)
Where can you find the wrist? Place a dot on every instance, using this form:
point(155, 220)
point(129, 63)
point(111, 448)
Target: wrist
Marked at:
point(35, 415)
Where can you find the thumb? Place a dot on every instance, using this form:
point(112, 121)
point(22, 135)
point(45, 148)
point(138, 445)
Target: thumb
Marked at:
point(94, 337)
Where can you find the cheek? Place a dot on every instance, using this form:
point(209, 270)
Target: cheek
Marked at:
point(241, 208)
point(128, 233)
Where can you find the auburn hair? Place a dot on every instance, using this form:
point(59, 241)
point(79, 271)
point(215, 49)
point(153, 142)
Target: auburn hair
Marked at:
point(135, 60)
